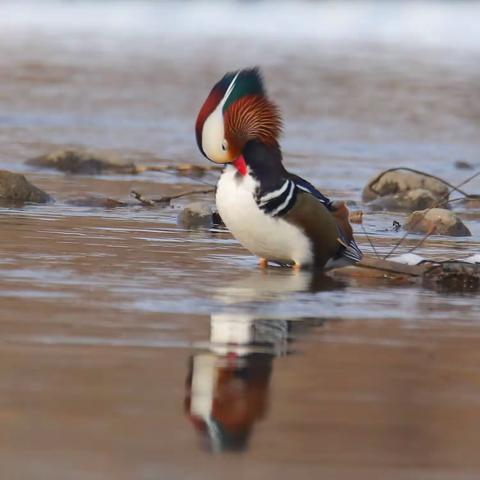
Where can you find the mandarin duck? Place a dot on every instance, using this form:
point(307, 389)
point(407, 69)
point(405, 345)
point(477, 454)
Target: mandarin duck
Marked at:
point(275, 214)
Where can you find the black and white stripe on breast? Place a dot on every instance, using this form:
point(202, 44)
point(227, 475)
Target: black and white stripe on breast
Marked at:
point(277, 202)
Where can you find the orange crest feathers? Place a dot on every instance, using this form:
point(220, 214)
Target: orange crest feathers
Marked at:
point(252, 117)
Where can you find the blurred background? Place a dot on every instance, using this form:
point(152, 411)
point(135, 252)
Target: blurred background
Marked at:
point(383, 81)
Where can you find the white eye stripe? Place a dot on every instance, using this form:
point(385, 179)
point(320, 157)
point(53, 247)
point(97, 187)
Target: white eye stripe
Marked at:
point(229, 90)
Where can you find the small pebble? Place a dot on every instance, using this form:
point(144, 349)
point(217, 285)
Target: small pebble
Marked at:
point(195, 215)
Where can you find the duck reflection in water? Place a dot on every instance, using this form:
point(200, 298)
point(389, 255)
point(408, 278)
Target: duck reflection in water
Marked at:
point(275, 284)
point(227, 388)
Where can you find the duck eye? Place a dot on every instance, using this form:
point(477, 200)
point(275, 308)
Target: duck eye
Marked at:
point(224, 145)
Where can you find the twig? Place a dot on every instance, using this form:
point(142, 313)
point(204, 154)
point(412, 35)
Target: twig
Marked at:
point(185, 194)
point(431, 230)
point(470, 197)
point(435, 205)
point(370, 241)
point(144, 201)
point(167, 199)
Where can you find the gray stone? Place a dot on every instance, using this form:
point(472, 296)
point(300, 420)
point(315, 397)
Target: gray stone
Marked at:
point(196, 214)
point(409, 201)
point(437, 221)
point(80, 161)
point(217, 219)
point(463, 165)
point(397, 181)
point(16, 188)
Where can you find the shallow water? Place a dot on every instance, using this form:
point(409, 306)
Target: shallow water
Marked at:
point(134, 348)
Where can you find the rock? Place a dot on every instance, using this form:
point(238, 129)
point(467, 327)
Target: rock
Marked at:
point(217, 219)
point(408, 201)
point(356, 217)
point(16, 188)
point(99, 202)
point(463, 165)
point(454, 276)
point(450, 276)
point(401, 180)
point(437, 221)
point(86, 162)
point(196, 214)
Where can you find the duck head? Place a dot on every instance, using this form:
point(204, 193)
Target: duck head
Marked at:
point(236, 112)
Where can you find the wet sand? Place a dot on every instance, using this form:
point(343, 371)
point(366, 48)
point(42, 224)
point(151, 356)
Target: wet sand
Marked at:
point(114, 322)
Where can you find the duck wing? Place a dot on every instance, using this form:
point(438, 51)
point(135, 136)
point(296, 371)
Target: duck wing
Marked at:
point(337, 210)
point(306, 186)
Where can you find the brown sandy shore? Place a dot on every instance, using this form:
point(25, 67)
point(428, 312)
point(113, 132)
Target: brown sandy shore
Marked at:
point(103, 311)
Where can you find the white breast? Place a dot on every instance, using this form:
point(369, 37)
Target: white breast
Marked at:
point(268, 237)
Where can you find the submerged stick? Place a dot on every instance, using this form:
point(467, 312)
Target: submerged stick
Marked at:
point(186, 194)
point(144, 201)
point(370, 242)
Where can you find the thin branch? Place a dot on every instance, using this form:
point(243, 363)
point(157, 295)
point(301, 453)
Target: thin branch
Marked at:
point(144, 201)
point(431, 230)
point(185, 194)
point(167, 199)
point(460, 199)
point(370, 242)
